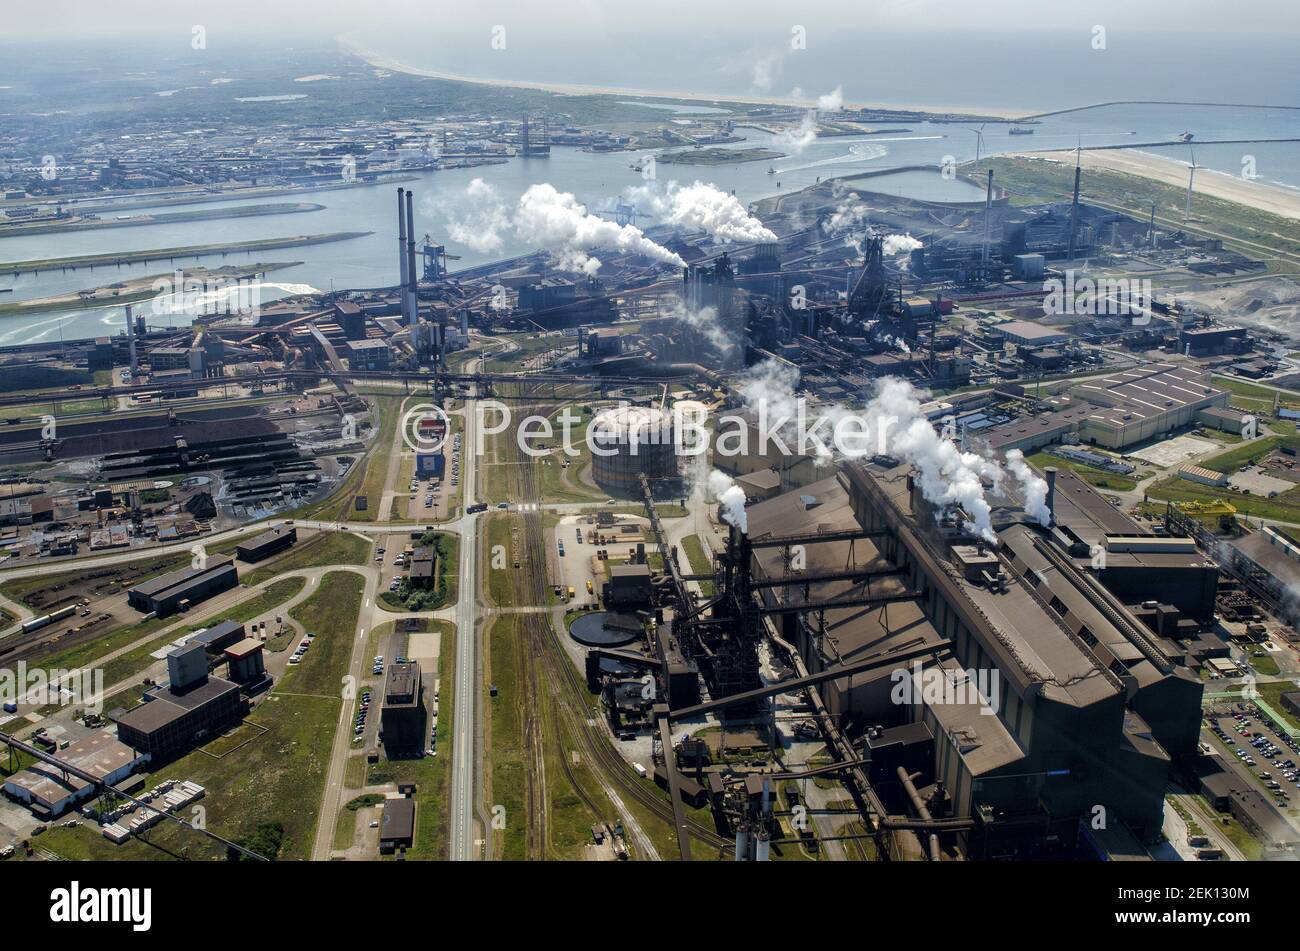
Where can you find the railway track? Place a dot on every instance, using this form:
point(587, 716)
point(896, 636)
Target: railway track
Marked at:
point(567, 687)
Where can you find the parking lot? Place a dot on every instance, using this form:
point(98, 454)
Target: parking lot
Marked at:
point(1271, 756)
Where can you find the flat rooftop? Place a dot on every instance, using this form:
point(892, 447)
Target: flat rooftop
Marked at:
point(157, 587)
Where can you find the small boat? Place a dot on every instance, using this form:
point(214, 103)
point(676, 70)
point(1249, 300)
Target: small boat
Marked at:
point(771, 170)
point(1184, 137)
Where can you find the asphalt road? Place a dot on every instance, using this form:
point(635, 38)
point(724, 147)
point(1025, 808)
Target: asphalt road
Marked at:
point(464, 728)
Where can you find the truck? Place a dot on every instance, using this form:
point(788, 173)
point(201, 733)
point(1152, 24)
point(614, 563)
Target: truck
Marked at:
point(476, 508)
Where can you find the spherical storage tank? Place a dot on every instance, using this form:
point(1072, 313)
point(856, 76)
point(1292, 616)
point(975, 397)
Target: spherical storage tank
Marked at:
point(627, 441)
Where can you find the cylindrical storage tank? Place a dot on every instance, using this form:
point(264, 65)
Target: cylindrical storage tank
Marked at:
point(626, 441)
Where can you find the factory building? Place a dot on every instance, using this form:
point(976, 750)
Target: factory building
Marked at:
point(628, 586)
point(178, 590)
point(627, 441)
point(1212, 341)
point(218, 637)
point(1025, 334)
point(1054, 698)
point(266, 544)
point(49, 792)
point(402, 713)
point(191, 708)
point(369, 355)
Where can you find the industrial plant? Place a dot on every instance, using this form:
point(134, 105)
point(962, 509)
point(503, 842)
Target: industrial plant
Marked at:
point(668, 479)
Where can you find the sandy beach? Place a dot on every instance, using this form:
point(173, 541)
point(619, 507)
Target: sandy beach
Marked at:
point(571, 89)
point(1275, 199)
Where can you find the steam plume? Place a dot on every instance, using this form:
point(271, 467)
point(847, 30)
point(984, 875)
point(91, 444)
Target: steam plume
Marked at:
point(732, 499)
point(1032, 487)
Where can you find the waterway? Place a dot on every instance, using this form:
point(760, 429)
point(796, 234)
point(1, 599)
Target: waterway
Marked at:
point(598, 179)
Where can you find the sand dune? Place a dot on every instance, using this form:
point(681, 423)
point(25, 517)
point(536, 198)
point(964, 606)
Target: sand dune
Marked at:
point(1284, 202)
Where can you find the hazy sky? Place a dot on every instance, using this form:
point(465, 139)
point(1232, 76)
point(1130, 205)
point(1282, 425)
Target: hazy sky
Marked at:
point(311, 18)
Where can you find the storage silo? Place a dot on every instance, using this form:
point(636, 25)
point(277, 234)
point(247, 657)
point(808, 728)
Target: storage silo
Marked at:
point(626, 441)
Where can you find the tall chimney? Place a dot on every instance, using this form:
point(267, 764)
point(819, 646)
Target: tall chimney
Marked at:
point(412, 274)
point(130, 339)
point(988, 213)
point(1050, 472)
point(401, 249)
point(1074, 214)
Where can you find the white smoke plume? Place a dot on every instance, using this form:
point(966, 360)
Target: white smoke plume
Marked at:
point(849, 212)
point(892, 420)
point(770, 387)
point(898, 343)
point(712, 210)
point(765, 69)
point(549, 219)
point(899, 244)
point(944, 473)
point(833, 101)
point(481, 228)
point(704, 320)
point(558, 222)
point(732, 499)
point(801, 136)
point(1032, 487)
point(704, 207)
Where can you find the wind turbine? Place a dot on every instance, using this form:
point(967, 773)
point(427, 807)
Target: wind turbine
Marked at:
point(979, 141)
point(1191, 175)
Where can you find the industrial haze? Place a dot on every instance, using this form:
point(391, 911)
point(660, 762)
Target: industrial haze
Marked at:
point(732, 455)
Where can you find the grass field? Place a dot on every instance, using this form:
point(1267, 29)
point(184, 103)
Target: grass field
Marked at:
point(322, 550)
point(506, 753)
point(699, 561)
point(1285, 507)
point(1099, 478)
point(431, 774)
point(271, 771)
point(139, 659)
point(502, 588)
point(331, 614)
point(388, 412)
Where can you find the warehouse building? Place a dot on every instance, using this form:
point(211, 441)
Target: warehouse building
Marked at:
point(402, 714)
point(1224, 418)
point(50, 792)
point(178, 590)
point(1143, 403)
point(1025, 334)
point(266, 544)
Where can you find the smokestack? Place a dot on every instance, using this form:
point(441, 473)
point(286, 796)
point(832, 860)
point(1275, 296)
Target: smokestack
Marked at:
point(410, 258)
point(1050, 472)
point(130, 339)
point(988, 212)
point(401, 249)
point(1074, 212)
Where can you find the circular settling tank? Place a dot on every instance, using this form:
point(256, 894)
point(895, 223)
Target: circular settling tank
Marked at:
point(629, 440)
point(605, 629)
